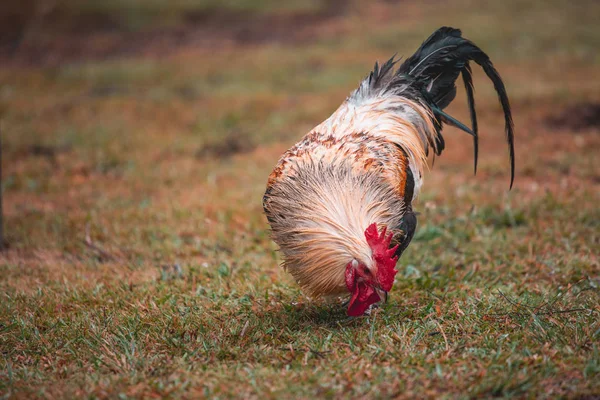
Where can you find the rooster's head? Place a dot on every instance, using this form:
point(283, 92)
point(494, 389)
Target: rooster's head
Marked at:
point(366, 283)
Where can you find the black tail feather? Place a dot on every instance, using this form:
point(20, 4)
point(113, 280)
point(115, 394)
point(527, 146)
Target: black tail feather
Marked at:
point(470, 89)
point(450, 120)
point(435, 67)
point(491, 72)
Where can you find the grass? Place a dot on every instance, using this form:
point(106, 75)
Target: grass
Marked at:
point(139, 262)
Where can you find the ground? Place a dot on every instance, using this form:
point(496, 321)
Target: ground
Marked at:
point(137, 140)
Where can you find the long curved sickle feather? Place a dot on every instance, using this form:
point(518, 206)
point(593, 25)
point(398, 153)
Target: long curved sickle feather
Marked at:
point(470, 89)
point(482, 59)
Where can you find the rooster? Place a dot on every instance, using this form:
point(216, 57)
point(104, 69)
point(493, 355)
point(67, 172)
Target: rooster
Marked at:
point(339, 202)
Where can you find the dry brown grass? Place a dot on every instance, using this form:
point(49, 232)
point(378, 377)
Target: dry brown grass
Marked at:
point(108, 184)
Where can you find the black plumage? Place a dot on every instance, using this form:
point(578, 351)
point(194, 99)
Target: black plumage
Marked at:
point(436, 65)
point(430, 74)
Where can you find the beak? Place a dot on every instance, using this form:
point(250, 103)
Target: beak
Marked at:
point(382, 295)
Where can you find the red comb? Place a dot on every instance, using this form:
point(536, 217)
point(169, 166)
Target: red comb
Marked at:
point(383, 255)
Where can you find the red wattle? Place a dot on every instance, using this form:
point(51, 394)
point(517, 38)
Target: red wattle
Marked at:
point(362, 297)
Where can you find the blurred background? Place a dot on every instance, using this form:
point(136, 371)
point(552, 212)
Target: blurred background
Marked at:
point(114, 106)
point(137, 137)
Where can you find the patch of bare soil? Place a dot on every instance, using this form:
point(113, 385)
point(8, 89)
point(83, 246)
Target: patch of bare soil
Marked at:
point(33, 36)
point(13, 21)
point(234, 143)
point(576, 118)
